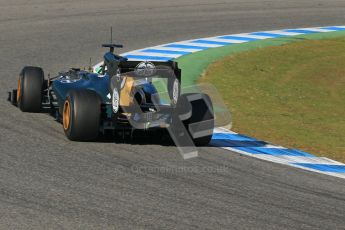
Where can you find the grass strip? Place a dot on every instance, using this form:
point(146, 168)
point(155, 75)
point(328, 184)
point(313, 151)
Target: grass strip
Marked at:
point(291, 95)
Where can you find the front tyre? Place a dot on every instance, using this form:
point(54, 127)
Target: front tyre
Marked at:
point(81, 115)
point(29, 92)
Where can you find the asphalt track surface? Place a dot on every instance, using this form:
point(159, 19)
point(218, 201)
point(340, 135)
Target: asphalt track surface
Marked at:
point(47, 181)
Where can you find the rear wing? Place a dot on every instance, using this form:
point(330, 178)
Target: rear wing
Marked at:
point(168, 69)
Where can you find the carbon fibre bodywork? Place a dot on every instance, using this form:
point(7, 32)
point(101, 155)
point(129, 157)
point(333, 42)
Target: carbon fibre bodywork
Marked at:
point(142, 91)
point(123, 96)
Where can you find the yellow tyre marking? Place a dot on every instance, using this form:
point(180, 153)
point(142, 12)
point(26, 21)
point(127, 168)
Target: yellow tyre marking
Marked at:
point(66, 119)
point(19, 89)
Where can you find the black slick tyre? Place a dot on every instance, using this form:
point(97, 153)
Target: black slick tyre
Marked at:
point(200, 124)
point(29, 92)
point(81, 115)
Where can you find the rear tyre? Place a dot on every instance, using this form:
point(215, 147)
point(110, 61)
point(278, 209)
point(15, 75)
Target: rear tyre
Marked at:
point(29, 92)
point(81, 115)
point(200, 124)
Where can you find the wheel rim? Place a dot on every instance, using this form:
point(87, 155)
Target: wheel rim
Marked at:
point(19, 89)
point(66, 115)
